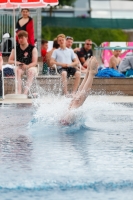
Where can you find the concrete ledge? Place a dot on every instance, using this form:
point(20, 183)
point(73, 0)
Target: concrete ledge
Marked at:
point(92, 98)
point(112, 86)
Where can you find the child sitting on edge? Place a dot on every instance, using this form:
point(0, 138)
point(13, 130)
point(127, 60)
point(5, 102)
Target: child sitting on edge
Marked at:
point(44, 48)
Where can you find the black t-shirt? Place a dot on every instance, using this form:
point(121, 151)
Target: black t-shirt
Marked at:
point(84, 53)
point(24, 56)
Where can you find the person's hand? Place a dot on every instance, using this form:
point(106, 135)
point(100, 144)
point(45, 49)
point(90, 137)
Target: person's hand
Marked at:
point(64, 65)
point(85, 65)
point(77, 49)
point(24, 66)
point(18, 63)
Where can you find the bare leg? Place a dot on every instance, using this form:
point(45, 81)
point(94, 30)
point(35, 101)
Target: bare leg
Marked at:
point(81, 96)
point(20, 72)
point(31, 75)
point(64, 82)
point(86, 76)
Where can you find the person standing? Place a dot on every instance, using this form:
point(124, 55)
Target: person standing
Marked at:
point(25, 23)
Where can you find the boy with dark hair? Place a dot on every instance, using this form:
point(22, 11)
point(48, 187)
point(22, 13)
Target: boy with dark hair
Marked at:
point(26, 61)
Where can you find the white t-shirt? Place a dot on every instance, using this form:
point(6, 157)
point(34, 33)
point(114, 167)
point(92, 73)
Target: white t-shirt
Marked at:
point(63, 55)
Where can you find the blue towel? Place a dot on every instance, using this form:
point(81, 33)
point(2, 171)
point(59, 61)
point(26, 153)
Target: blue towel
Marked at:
point(109, 72)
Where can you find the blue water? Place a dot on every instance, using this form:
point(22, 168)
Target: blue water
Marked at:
point(89, 159)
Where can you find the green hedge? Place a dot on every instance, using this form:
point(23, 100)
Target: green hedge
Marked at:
point(80, 34)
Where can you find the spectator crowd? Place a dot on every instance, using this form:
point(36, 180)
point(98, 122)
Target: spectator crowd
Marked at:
point(62, 58)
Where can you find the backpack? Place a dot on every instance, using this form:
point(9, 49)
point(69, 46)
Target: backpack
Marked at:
point(8, 72)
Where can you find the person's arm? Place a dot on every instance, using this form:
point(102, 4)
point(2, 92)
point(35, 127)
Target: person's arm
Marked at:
point(11, 59)
point(74, 63)
point(53, 61)
point(81, 57)
point(76, 49)
point(30, 30)
point(74, 59)
point(82, 60)
point(48, 57)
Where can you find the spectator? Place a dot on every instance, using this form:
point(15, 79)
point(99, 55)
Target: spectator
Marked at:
point(69, 43)
point(115, 59)
point(26, 61)
point(25, 23)
point(65, 60)
point(85, 52)
point(44, 48)
point(126, 64)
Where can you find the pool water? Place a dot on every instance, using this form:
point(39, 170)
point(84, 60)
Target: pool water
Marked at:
point(89, 159)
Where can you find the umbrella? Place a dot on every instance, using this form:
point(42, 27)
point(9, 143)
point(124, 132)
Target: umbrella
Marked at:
point(13, 4)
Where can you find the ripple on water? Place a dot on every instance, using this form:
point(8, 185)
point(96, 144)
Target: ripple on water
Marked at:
point(93, 155)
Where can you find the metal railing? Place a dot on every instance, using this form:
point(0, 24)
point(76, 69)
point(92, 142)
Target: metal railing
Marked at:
point(76, 44)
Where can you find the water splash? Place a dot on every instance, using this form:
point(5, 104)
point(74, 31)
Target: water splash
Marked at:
point(51, 110)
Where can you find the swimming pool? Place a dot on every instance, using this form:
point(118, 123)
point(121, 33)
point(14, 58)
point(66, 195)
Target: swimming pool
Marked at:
point(91, 159)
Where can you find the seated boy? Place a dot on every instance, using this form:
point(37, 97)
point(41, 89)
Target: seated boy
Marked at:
point(115, 59)
point(66, 63)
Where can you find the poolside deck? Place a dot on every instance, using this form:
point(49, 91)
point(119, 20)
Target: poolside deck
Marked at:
point(92, 98)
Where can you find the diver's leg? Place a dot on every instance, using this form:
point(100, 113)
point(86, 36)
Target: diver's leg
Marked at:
point(81, 96)
point(86, 75)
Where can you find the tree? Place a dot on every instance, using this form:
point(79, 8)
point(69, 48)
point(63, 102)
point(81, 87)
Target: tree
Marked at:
point(66, 2)
point(62, 3)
